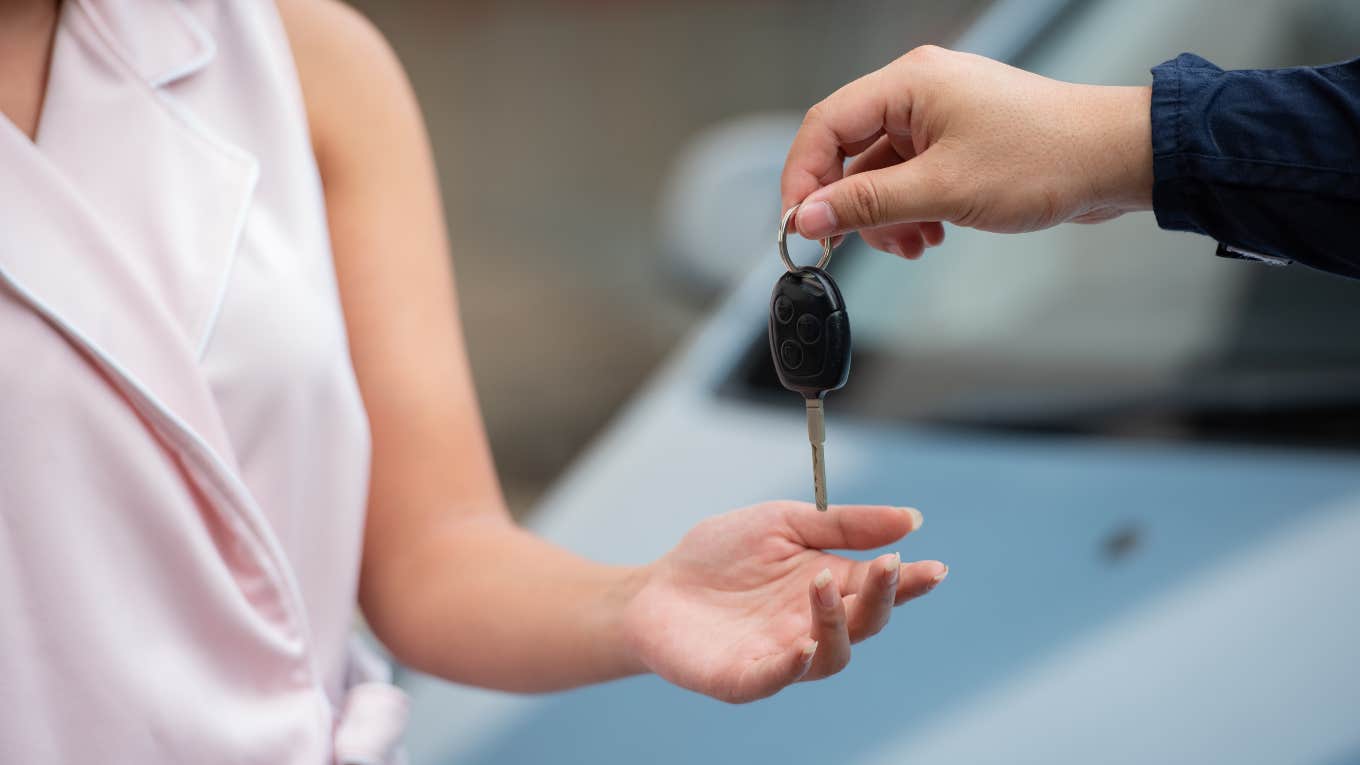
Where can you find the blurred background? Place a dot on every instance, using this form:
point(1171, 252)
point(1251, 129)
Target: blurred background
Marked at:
point(1142, 462)
point(557, 126)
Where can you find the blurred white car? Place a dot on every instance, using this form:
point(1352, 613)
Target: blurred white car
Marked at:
point(1141, 462)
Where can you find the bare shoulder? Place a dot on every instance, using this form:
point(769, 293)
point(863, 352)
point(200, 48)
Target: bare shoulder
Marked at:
point(355, 90)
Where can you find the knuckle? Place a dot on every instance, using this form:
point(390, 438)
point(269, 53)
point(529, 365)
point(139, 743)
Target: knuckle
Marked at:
point(843, 532)
point(831, 618)
point(865, 202)
point(814, 113)
point(923, 53)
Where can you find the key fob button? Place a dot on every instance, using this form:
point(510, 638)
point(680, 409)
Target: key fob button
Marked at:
point(809, 334)
point(809, 329)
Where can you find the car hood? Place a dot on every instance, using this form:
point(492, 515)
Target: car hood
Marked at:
point(1062, 551)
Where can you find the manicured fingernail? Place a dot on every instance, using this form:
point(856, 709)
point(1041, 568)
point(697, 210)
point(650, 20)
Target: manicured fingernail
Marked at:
point(823, 584)
point(916, 518)
point(939, 578)
point(816, 220)
point(808, 651)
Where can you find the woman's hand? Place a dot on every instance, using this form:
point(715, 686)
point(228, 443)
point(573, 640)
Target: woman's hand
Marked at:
point(748, 602)
point(449, 583)
point(944, 136)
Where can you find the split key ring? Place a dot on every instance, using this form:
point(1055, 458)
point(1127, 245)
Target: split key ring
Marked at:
point(782, 239)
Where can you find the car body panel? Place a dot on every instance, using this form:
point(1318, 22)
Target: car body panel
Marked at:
point(1036, 622)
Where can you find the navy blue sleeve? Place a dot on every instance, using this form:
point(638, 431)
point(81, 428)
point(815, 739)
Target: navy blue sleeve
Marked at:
point(1266, 161)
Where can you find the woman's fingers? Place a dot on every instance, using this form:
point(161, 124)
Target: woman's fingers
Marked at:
point(839, 621)
point(887, 582)
point(773, 673)
point(916, 579)
point(877, 595)
point(828, 627)
point(855, 527)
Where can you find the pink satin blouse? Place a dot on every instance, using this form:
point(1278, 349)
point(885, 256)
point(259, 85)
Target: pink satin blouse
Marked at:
point(183, 450)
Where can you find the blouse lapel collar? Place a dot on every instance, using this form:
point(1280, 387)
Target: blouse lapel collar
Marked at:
point(120, 226)
point(158, 39)
point(56, 255)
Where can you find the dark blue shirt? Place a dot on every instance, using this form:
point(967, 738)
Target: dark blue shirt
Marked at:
point(1266, 161)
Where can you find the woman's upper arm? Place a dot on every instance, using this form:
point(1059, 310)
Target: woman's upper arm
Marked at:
point(431, 462)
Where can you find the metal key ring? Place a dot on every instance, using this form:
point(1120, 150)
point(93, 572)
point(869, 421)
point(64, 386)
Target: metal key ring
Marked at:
point(782, 239)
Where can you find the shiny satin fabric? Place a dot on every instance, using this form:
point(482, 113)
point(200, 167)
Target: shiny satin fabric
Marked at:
point(183, 451)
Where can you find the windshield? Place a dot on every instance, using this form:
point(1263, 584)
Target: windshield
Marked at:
point(1118, 328)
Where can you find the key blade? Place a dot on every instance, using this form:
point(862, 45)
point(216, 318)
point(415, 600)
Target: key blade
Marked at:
point(819, 476)
point(816, 422)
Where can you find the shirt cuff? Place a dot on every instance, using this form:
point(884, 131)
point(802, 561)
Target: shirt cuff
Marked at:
point(1178, 195)
point(1175, 195)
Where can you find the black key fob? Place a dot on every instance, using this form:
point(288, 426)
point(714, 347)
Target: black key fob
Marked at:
point(809, 332)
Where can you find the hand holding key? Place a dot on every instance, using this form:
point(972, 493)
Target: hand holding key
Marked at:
point(939, 135)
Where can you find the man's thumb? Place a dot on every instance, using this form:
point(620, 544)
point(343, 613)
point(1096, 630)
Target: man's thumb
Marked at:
point(909, 192)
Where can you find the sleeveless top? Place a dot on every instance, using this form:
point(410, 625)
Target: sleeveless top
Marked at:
point(185, 455)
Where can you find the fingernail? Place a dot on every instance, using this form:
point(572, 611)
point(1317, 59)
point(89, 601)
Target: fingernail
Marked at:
point(808, 651)
point(892, 567)
point(816, 220)
point(939, 578)
point(823, 584)
point(916, 518)
point(895, 250)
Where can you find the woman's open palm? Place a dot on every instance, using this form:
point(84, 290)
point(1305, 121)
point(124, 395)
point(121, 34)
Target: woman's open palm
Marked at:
point(749, 603)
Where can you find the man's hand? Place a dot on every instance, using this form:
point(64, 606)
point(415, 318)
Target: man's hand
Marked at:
point(944, 136)
point(748, 602)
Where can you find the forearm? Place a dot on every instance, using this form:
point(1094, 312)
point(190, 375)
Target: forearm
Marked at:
point(481, 601)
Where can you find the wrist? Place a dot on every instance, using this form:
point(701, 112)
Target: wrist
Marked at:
point(622, 645)
point(1123, 148)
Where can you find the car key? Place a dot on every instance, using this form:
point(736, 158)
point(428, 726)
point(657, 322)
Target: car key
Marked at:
point(810, 342)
